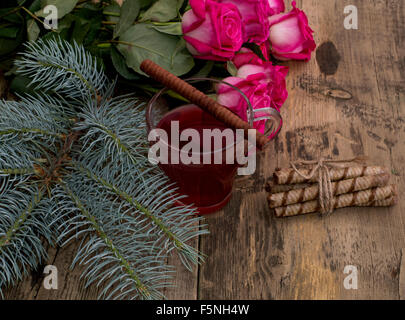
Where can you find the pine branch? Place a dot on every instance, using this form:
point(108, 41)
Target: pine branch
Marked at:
point(24, 220)
point(67, 69)
point(115, 131)
point(32, 118)
point(89, 151)
point(113, 246)
point(17, 171)
point(29, 129)
point(170, 225)
point(22, 131)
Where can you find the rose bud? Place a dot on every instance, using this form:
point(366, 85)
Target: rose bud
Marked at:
point(213, 30)
point(264, 86)
point(255, 15)
point(273, 76)
point(290, 35)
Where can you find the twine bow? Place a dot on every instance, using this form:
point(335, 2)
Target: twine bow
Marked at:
point(321, 168)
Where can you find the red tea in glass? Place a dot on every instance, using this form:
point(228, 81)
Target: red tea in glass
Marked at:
point(206, 186)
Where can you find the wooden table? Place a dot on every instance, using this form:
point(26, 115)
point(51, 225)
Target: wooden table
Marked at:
point(348, 101)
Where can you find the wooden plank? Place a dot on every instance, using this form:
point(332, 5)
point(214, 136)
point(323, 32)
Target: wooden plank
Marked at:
point(72, 287)
point(348, 102)
point(185, 282)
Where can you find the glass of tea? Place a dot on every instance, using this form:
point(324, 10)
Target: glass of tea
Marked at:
point(198, 152)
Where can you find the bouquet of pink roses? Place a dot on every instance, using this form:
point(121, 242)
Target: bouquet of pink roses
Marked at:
point(237, 38)
point(218, 29)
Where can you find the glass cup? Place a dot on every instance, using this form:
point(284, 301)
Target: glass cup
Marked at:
point(205, 181)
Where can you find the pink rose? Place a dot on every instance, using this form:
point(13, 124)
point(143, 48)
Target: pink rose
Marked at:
point(212, 30)
point(255, 15)
point(271, 75)
point(290, 35)
point(276, 6)
point(264, 85)
point(247, 56)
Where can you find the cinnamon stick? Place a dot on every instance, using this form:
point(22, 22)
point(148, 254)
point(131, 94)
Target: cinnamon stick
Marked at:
point(342, 201)
point(341, 187)
point(289, 176)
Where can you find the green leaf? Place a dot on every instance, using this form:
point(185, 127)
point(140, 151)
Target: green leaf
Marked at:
point(9, 45)
point(35, 6)
point(80, 31)
point(129, 13)
point(142, 41)
point(21, 85)
point(113, 12)
point(230, 66)
point(120, 65)
point(64, 7)
point(66, 22)
point(10, 32)
point(146, 3)
point(32, 30)
point(173, 28)
point(78, 27)
point(163, 10)
point(94, 31)
point(13, 17)
point(60, 34)
point(88, 14)
point(205, 70)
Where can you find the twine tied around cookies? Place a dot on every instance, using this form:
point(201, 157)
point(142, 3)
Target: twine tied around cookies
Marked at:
point(321, 170)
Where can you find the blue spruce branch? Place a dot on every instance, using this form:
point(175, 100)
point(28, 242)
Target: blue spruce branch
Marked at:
point(24, 221)
point(88, 150)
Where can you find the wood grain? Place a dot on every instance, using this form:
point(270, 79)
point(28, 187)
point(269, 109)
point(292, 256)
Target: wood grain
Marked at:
point(354, 107)
point(349, 100)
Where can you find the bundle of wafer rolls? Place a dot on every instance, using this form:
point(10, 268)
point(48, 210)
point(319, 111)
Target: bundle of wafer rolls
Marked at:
point(291, 194)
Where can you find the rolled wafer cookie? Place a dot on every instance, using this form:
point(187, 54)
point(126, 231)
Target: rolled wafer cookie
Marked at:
point(391, 201)
point(341, 187)
point(289, 176)
point(342, 201)
point(272, 187)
